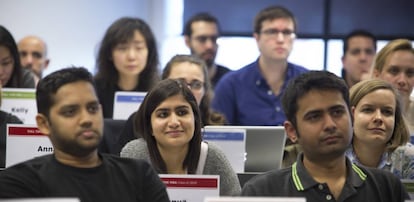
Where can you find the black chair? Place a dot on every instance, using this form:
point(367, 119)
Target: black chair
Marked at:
point(111, 132)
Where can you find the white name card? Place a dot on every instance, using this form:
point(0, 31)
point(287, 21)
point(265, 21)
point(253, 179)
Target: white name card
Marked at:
point(25, 142)
point(41, 200)
point(126, 103)
point(254, 199)
point(191, 188)
point(20, 102)
point(232, 142)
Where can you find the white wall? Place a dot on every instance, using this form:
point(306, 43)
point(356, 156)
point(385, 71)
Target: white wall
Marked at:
point(74, 28)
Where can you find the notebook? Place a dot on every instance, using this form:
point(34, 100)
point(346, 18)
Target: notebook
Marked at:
point(264, 147)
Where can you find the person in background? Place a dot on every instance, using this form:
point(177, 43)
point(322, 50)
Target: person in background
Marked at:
point(359, 48)
point(193, 71)
point(200, 34)
point(12, 75)
point(33, 55)
point(318, 115)
point(69, 113)
point(5, 118)
point(251, 95)
point(395, 63)
point(380, 134)
point(170, 124)
point(127, 61)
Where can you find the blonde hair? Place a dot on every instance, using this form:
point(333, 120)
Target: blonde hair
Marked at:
point(391, 47)
point(400, 135)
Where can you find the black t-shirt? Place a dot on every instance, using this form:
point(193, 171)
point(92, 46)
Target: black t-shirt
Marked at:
point(5, 118)
point(116, 179)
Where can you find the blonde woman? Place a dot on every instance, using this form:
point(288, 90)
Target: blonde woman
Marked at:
point(380, 134)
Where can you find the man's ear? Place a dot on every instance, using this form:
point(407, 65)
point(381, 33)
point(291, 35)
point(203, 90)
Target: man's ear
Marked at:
point(43, 124)
point(187, 41)
point(290, 131)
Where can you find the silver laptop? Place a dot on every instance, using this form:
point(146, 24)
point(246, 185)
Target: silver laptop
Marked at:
point(264, 147)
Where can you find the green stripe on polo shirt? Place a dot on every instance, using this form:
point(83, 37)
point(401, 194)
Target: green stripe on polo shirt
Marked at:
point(361, 174)
point(19, 95)
point(296, 179)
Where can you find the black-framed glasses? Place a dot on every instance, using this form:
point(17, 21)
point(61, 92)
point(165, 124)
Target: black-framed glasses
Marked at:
point(275, 32)
point(194, 84)
point(204, 38)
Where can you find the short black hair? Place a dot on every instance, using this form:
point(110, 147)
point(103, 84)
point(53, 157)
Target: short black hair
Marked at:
point(302, 84)
point(358, 32)
point(207, 17)
point(48, 86)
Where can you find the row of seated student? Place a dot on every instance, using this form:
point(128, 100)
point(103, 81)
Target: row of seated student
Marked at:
point(140, 37)
point(69, 114)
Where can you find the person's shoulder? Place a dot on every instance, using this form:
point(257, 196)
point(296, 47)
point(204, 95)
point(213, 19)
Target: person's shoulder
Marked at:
point(28, 80)
point(214, 151)
point(382, 177)
point(274, 179)
point(30, 166)
point(9, 118)
point(221, 68)
point(134, 148)
point(117, 160)
point(297, 68)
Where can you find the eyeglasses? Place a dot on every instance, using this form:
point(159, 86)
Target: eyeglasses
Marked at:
point(194, 84)
point(275, 33)
point(204, 38)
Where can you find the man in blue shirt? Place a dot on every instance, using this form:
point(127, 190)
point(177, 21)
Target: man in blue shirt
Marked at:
point(251, 95)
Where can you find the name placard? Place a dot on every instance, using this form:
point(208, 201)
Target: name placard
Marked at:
point(254, 199)
point(126, 103)
point(191, 188)
point(232, 142)
point(25, 142)
point(20, 102)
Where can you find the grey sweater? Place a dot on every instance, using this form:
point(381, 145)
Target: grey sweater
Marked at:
point(216, 164)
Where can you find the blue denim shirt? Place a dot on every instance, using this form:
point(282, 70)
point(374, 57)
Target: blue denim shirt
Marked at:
point(245, 98)
point(400, 162)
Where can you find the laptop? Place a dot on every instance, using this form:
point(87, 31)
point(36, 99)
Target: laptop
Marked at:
point(264, 147)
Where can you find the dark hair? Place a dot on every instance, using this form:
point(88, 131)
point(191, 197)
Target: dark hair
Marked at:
point(208, 117)
point(48, 86)
point(199, 17)
point(356, 33)
point(312, 80)
point(163, 90)
point(121, 31)
point(271, 13)
point(7, 40)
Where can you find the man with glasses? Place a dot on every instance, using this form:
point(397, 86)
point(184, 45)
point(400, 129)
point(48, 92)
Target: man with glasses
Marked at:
point(200, 33)
point(251, 95)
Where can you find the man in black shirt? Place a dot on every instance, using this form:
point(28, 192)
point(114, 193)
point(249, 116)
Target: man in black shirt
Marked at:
point(69, 113)
point(318, 118)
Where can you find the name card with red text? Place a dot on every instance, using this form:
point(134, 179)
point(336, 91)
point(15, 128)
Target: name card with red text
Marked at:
point(25, 142)
point(191, 188)
point(255, 199)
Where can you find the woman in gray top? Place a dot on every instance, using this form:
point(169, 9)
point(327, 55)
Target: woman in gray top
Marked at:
point(170, 124)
